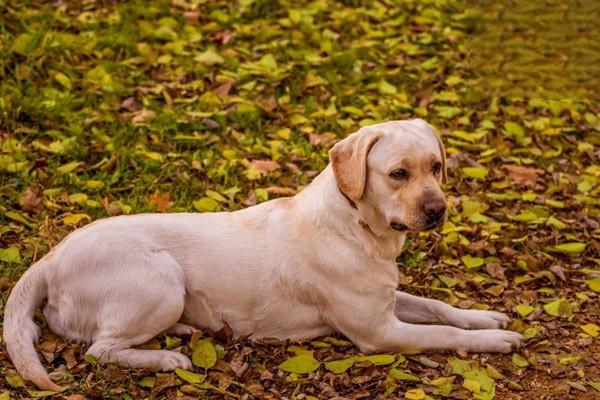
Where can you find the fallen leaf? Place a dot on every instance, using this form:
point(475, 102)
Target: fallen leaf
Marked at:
point(162, 201)
point(414, 394)
point(206, 204)
point(75, 219)
point(573, 248)
point(558, 308)
point(519, 361)
point(143, 116)
point(189, 376)
point(402, 375)
point(30, 201)
point(10, 255)
point(524, 309)
point(300, 364)
point(591, 329)
point(524, 175)
point(204, 354)
point(377, 359)
point(594, 284)
point(14, 379)
point(264, 166)
point(472, 262)
point(340, 366)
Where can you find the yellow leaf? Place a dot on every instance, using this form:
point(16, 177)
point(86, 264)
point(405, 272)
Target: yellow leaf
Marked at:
point(519, 360)
point(63, 80)
point(378, 359)
point(414, 394)
point(591, 329)
point(301, 364)
point(10, 254)
point(569, 360)
point(559, 308)
point(14, 379)
point(79, 198)
point(403, 375)
point(147, 382)
point(572, 248)
point(94, 184)
point(74, 219)
point(472, 386)
point(204, 354)
point(472, 262)
point(594, 284)
point(340, 366)
point(475, 172)
point(206, 204)
point(188, 376)
point(524, 309)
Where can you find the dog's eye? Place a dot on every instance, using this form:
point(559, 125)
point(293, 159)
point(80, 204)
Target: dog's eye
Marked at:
point(436, 168)
point(399, 174)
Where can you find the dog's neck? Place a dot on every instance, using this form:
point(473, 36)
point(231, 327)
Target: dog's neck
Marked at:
point(324, 204)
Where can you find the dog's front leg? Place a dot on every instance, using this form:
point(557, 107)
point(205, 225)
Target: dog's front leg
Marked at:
point(419, 310)
point(391, 334)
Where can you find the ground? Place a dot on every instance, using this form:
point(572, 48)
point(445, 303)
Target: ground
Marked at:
point(125, 107)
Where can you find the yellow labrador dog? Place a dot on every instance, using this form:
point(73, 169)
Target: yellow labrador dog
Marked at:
point(292, 268)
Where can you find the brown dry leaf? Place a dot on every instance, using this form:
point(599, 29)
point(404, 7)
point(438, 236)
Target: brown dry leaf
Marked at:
point(131, 104)
point(225, 334)
point(110, 208)
point(250, 200)
point(143, 116)
point(238, 365)
point(30, 201)
point(68, 354)
point(191, 16)
point(558, 271)
point(257, 390)
point(495, 270)
point(267, 103)
point(48, 348)
point(280, 191)
point(162, 201)
point(523, 175)
point(320, 139)
point(223, 37)
point(264, 166)
point(223, 89)
point(163, 382)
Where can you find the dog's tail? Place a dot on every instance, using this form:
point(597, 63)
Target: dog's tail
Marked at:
point(20, 332)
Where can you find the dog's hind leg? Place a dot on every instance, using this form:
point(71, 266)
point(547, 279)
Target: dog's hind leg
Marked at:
point(119, 352)
point(137, 309)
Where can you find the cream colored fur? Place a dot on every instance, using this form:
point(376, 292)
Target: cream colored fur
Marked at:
point(291, 268)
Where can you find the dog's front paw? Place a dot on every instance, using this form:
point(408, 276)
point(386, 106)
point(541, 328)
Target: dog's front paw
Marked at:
point(478, 319)
point(494, 341)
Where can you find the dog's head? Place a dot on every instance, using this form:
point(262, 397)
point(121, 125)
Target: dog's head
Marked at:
point(392, 172)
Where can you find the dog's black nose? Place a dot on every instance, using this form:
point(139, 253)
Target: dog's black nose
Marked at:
point(434, 209)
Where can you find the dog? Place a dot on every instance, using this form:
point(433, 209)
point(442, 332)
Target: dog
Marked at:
point(320, 262)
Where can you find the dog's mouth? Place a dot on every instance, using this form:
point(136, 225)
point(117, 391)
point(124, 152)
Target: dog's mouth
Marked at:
point(402, 228)
point(431, 226)
point(398, 226)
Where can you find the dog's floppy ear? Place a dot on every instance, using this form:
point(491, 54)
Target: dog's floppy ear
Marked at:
point(349, 161)
point(443, 153)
